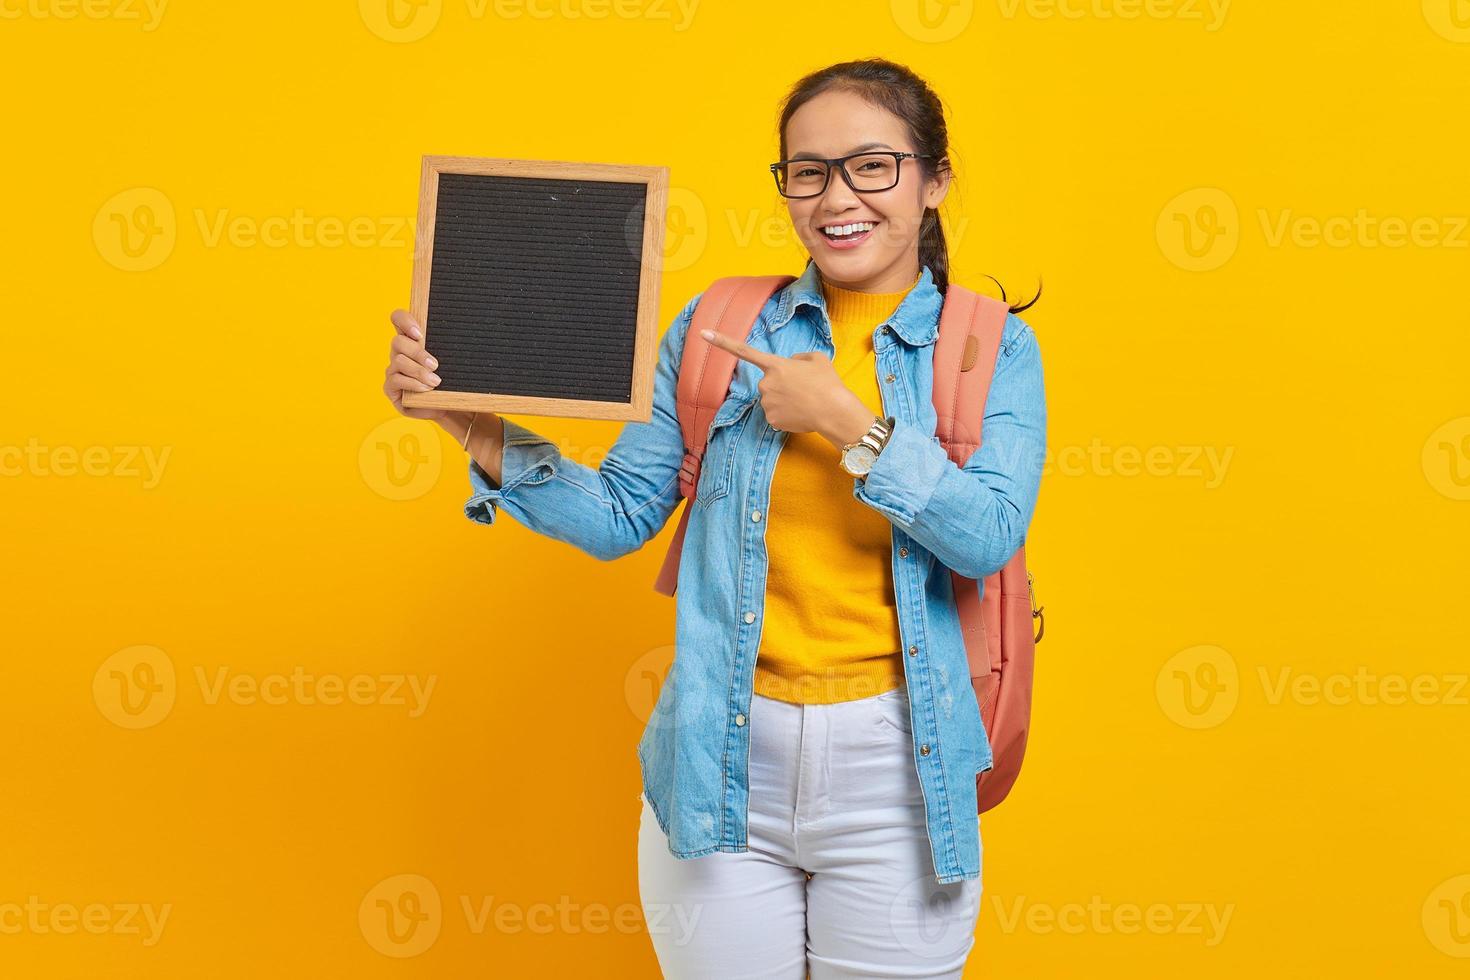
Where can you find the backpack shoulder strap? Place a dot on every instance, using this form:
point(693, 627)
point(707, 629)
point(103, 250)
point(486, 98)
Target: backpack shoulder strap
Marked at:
point(729, 307)
point(970, 330)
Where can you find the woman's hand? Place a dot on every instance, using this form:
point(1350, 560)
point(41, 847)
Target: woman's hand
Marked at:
point(410, 368)
point(803, 393)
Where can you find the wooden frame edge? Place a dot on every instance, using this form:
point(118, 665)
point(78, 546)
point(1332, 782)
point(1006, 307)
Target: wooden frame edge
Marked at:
point(656, 182)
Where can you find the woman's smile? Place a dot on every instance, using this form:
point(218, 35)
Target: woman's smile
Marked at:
point(848, 235)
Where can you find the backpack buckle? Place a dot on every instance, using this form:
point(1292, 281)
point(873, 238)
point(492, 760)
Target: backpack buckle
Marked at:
point(688, 474)
point(1036, 611)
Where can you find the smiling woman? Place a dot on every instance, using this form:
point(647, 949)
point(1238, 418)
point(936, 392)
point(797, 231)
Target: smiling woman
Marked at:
point(831, 879)
point(810, 767)
point(866, 121)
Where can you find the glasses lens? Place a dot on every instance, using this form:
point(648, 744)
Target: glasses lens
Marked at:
point(802, 178)
point(873, 172)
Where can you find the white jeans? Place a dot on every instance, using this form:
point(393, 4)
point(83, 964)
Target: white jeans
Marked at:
point(838, 879)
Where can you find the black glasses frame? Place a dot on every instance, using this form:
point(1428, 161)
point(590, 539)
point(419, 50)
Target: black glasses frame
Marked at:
point(840, 164)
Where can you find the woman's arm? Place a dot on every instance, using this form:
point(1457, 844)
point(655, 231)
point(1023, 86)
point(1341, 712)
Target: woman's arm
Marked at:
point(973, 518)
point(486, 440)
point(606, 511)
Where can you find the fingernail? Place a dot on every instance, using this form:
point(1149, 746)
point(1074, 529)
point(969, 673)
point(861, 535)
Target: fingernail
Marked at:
point(707, 334)
point(434, 378)
point(433, 362)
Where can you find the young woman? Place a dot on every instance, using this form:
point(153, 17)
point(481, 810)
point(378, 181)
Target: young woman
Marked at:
point(809, 769)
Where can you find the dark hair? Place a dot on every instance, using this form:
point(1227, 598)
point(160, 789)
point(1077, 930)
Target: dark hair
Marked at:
point(893, 87)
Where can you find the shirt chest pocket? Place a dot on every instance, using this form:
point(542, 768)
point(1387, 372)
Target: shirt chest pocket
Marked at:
point(718, 469)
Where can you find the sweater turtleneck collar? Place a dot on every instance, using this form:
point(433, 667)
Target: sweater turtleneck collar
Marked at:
point(866, 309)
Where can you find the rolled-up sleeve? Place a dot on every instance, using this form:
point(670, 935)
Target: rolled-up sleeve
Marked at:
point(526, 458)
point(972, 517)
point(608, 510)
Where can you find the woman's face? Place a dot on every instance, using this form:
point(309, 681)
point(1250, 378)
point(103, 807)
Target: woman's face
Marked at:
point(886, 259)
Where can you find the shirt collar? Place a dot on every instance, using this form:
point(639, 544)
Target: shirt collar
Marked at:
point(916, 319)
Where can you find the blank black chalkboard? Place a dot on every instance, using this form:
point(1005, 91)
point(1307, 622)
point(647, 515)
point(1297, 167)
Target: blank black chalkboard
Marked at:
point(537, 285)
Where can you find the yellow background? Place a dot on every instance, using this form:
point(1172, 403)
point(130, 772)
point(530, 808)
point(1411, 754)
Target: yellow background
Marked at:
point(1168, 767)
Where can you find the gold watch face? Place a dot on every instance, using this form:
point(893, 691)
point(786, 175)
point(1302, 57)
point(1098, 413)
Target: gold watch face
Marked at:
point(859, 459)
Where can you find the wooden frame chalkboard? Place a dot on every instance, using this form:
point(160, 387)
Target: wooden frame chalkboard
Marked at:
point(536, 283)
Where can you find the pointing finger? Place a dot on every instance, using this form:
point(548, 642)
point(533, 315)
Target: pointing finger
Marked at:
point(742, 350)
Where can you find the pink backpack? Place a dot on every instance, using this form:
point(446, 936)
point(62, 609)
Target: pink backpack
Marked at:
point(999, 643)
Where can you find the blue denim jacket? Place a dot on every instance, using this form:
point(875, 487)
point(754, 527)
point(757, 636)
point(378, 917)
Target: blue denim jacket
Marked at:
point(694, 748)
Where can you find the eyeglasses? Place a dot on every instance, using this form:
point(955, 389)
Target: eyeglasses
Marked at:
point(864, 172)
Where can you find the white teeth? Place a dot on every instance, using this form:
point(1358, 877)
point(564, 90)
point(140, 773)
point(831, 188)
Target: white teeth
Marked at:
point(837, 230)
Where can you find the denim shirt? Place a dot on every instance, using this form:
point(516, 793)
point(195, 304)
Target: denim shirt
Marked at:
point(694, 748)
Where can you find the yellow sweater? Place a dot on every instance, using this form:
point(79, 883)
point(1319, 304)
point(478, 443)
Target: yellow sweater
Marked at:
point(831, 628)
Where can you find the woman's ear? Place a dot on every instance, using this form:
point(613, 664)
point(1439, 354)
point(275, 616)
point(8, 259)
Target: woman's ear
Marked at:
point(936, 187)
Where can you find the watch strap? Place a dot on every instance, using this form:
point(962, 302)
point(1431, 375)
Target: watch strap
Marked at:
point(877, 435)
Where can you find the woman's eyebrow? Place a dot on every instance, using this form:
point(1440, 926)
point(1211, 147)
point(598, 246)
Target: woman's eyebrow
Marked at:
point(807, 155)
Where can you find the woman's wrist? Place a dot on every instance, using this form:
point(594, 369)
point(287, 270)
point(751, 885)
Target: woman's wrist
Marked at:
point(456, 424)
point(480, 434)
point(851, 426)
point(486, 443)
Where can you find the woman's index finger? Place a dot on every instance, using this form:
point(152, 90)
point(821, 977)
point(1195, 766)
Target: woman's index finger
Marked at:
point(404, 322)
point(742, 350)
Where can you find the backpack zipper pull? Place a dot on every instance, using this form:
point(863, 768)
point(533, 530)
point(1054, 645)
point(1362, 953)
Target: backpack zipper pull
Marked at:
point(1036, 611)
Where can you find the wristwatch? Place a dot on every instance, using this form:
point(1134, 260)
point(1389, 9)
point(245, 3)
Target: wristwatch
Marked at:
point(858, 457)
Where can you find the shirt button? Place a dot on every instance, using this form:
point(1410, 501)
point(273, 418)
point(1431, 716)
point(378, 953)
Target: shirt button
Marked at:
point(903, 552)
point(740, 720)
point(924, 749)
point(886, 330)
point(755, 515)
point(913, 650)
point(750, 617)
point(888, 378)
